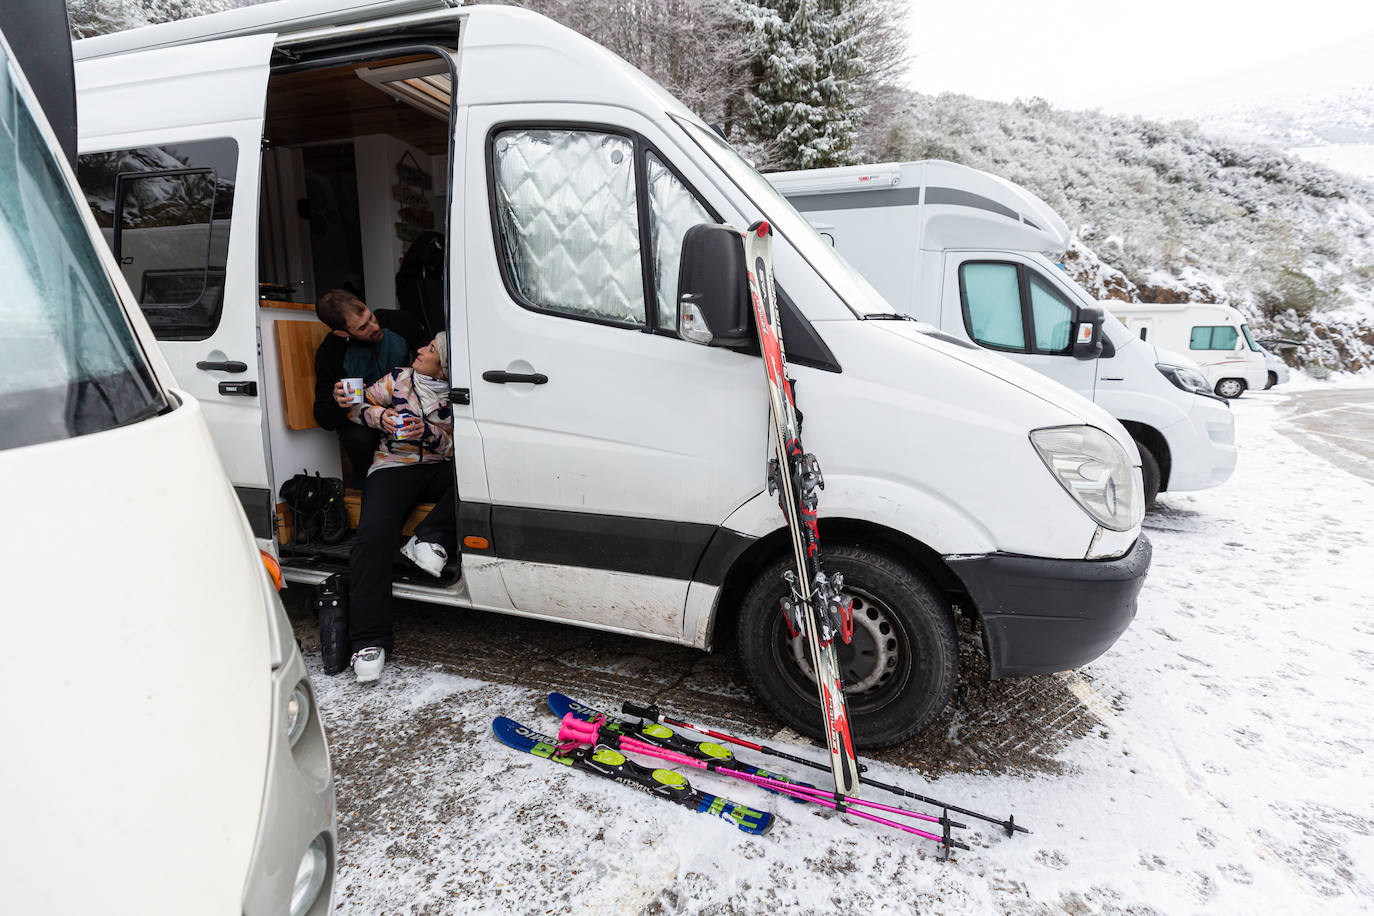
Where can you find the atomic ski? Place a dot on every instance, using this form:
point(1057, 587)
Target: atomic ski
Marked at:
point(612, 764)
point(815, 606)
point(661, 735)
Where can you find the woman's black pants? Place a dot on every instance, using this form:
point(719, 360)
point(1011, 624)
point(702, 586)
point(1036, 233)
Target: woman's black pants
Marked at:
point(389, 495)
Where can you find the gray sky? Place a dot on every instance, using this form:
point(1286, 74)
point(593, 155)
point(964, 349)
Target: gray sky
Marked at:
point(1146, 56)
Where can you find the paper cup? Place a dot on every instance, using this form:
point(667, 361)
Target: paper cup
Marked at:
point(353, 390)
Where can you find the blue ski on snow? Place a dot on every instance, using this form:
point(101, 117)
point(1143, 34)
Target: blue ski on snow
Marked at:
point(613, 765)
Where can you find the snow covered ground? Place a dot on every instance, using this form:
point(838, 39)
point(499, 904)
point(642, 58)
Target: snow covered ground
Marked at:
point(1230, 770)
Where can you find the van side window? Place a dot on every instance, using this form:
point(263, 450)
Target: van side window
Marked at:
point(992, 305)
point(566, 214)
point(1051, 314)
point(672, 211)
point(1218, 337)
point(165, 212)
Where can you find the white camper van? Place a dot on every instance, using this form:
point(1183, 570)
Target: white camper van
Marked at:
point(974, 255)
point(163, 752)
point(611, 472)
point(1217, 337)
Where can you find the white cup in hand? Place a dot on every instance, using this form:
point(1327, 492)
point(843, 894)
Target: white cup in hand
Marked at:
point(352, 390)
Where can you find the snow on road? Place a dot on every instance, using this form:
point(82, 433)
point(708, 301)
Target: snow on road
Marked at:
point(1230, 772)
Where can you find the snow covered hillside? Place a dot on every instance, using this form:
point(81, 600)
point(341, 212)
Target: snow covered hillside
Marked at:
point(1180, 213)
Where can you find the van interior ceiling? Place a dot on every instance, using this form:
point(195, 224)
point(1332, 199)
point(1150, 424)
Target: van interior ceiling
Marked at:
point(354, 172)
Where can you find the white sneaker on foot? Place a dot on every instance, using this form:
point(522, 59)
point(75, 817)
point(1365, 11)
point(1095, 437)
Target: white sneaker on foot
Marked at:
point(428, 556)
point(367, 664)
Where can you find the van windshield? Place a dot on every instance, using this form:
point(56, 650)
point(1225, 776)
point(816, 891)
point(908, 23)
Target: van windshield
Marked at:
point(1249, 339)
point(853, 289)
point(69, 361)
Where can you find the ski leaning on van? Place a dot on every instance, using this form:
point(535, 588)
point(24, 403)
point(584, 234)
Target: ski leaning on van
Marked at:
point(815, 606)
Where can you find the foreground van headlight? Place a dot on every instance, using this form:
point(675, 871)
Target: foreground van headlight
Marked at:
point(1187, 379)
point(1094, 469)
point(310, 875)
point(297, 714)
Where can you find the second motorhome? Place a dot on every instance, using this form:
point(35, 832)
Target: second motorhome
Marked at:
point(975, 256)
point(1216, 336)
point(611, 472)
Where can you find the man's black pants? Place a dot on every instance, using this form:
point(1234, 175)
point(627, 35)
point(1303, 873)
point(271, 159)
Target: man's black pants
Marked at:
point(389, 495)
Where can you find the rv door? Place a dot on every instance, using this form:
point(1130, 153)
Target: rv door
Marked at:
point(173, 180)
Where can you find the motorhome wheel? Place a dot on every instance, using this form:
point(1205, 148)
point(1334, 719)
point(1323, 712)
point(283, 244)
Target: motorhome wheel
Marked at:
point(1149, 473)
point(1230, 388)
point(899, 670)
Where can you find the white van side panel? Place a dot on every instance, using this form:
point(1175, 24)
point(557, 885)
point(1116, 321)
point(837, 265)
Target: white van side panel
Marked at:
point(138, 721)
point(220, 93)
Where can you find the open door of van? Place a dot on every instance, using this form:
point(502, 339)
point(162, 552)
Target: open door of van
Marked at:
point(177, 201)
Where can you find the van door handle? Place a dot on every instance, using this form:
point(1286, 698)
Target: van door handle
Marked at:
point(222, 365)
point(501, 377)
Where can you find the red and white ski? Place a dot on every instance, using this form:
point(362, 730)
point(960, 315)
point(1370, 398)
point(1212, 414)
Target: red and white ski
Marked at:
point(815, 606)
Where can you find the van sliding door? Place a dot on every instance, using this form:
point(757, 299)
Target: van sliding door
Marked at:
point(169, 160)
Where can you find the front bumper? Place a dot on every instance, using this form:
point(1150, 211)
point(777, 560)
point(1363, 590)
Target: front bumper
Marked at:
point(1041, 615)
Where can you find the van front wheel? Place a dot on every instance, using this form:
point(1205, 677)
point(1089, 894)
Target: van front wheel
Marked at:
point(899, 671)
point(1230, 388)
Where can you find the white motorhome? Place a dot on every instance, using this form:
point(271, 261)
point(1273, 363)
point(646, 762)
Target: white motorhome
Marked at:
point(975, 255)
point(167, 756)
point(611, 472)
point(1217, 337)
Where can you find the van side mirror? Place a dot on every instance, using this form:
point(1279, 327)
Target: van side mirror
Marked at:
point(713, 288)
point(1087, 336)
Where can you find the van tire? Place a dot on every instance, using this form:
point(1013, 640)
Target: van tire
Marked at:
point(1230, 388)
point(1271, 381)
point(919, 660)
point(1149, 473)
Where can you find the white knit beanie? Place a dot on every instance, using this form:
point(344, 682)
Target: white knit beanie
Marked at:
point(441, 344)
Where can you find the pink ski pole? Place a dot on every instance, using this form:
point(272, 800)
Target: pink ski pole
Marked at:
point(578, 731)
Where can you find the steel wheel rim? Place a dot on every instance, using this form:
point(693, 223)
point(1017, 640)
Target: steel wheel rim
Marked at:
point(1230, 388)
point(871, 665)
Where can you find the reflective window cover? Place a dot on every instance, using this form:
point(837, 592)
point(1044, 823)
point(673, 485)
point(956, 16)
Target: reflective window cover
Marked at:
point(569, 227)
point(672, 211)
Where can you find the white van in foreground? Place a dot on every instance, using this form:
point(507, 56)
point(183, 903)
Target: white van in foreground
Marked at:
point(974, 255)
point(1217, 337)
point(611, 473)
point(162, 750)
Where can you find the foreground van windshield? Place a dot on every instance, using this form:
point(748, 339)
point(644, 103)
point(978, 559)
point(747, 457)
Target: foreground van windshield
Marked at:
point(69, 362)
point(848, 284)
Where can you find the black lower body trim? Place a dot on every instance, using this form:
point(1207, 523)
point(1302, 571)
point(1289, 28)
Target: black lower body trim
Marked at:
point(1041, 616)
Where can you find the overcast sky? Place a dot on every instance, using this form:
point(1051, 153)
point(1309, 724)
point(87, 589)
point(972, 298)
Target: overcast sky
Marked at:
point(1147, 56)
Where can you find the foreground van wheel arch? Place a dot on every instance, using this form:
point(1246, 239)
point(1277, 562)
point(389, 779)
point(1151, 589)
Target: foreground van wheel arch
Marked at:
point(900, 669)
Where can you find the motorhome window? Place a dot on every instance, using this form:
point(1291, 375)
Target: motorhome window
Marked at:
point(1249, 339)
point(672, 211)
point(1213, 337)
point(567, 220)
point(164, 210)
point(992, 305)
point(69, 361)
point(1051, 314)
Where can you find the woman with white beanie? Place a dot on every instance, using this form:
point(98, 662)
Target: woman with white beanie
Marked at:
point(413, 464)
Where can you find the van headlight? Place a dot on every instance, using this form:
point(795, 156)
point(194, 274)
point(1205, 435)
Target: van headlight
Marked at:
point(1186, 379)
point(297, 714)
point(1095, 470)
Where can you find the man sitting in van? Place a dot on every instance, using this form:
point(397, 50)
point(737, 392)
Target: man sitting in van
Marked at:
point(361, 344)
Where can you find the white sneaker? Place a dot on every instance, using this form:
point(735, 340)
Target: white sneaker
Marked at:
point(429, 557)
point(367, 664)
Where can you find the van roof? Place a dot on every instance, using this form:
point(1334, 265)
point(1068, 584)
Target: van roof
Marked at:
point(284, 17)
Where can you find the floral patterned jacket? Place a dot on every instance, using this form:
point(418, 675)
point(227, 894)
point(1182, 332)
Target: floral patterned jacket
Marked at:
point(397, 391)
